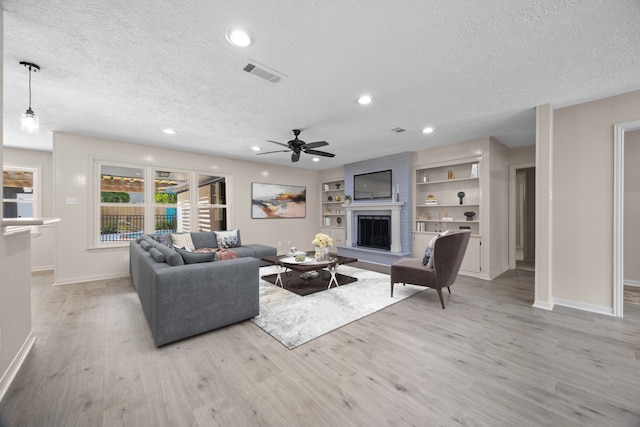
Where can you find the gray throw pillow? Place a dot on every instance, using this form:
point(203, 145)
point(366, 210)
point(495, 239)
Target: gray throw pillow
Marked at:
point(145, 245)
point(157, 255)
point(194, 257)
point(172, 257)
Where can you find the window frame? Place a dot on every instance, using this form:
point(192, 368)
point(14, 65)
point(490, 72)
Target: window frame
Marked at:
point(149, 204)
point(36, 202)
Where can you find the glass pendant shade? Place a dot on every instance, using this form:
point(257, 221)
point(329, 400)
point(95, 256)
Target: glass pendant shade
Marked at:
point(30, 122)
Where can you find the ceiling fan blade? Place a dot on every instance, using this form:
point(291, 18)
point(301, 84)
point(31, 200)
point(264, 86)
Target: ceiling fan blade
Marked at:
point(279, 143)
point(271, 152)
point(319, 153)
point(295, 156)
point(314, 145)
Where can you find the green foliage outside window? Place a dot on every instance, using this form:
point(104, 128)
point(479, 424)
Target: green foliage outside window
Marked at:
point(166, 198)
point(114, 197)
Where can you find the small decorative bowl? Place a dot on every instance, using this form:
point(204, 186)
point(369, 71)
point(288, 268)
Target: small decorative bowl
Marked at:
point(299, 256)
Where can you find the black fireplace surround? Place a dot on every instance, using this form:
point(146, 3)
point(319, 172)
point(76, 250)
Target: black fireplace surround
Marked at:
point(374, 231)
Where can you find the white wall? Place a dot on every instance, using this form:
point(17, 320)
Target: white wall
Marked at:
point(582, 192)
point(632, 207)
point(42, 240)
point(73, 161)
point(15, 286)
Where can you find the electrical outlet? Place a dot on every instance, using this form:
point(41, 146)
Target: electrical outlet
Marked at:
point(126, 258)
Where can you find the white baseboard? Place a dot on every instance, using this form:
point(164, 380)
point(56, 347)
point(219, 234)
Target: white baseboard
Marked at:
point(631, 282)
point(75, 280)
point(545, 305)
point(16, 364)
point(599, 309)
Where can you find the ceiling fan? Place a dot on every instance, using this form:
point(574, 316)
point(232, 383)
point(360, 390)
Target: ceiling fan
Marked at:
point(297, 146)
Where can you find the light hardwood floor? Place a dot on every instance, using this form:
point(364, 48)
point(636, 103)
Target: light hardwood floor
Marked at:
point(488, 359)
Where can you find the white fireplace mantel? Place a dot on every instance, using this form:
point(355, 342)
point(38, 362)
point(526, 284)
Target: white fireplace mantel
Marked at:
point(394, 207)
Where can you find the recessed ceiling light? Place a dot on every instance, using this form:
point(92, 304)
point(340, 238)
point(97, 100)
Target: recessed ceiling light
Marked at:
point(364, 100)
point(169, 131)
point(239, 37)
point(256, 148)
point(315, 159)
point(428, 130)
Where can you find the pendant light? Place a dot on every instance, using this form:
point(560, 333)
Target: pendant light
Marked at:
point(29, 120)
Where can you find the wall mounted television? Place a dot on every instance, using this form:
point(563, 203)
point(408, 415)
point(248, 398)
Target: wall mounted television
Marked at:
point(373, 185)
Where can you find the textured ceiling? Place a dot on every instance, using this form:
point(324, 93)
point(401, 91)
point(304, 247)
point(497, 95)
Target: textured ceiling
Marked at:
point(125, 69)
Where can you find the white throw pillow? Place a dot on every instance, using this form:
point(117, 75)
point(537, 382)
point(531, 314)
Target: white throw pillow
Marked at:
point(430, 247)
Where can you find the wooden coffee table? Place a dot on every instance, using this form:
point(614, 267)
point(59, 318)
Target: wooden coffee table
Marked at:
point(286, 268)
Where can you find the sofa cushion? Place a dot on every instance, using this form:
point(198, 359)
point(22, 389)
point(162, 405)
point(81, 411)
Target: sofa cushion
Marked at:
point(157, 255)
point(172, 257)
point(183, 240)
point(195, 258)
point(204, 239)
point(260, 251)
point(228, 239)
point(244, 251)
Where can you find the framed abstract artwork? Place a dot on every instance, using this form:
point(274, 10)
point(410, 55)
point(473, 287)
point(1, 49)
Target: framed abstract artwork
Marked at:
point(278, 201)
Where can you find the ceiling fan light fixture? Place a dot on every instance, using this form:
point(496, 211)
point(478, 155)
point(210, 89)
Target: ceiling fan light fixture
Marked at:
point(365, 100)
point(169, 131)
point(29, 122)
point(239, 37)
point(256, 148)
point(315, 159)
point(428, 130)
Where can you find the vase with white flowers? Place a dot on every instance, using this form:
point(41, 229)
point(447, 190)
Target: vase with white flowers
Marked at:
point(322, 243)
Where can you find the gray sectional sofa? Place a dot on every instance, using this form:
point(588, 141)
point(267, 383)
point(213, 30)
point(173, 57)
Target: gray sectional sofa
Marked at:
point(184, 295)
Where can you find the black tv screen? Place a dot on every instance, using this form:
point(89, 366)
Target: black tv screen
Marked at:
point(374, 185)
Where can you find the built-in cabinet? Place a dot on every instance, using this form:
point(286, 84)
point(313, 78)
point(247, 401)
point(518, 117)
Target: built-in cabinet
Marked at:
point(449, 197)
point(333, 213)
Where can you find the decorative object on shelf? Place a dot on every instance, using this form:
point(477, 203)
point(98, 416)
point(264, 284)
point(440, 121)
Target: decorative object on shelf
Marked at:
point(338, 185)
point(278, 201)
point(347, 199)
point(322, 243)
point(469, 215)
point(450, 174)
point(465, 227)
point(327, 211)
point(461, 196)
point(326, 187)
point(474, 170)
point(339, 220)
point(337, 199)
point(330, 199)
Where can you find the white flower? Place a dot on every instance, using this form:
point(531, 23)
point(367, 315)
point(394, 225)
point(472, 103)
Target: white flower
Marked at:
point(322, 241)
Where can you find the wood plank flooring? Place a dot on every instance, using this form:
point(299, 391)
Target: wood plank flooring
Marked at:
point(489, 359)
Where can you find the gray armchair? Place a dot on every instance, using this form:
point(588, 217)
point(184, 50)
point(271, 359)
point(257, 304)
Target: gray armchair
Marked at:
point(448, 253)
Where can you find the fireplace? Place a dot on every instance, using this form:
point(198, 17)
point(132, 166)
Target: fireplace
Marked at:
point(374, 231)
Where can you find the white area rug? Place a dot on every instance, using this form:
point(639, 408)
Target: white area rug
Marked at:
point(294, 320)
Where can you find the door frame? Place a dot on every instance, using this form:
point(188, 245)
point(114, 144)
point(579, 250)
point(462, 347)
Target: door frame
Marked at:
point(512, 209)
point(618, 213)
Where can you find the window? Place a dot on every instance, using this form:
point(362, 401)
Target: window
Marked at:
point(121, 203)
point(130, 205)
point(171, 194)
point(20, 192)
point(212, 203)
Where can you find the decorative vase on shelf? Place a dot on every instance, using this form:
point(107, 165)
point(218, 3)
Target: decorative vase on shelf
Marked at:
point(322, 254)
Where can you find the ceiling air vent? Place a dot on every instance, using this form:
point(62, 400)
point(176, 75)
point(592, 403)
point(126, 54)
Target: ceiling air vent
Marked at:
point(397, 130)
point(263, 72)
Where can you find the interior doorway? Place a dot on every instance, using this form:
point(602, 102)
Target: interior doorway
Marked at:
point(522, 216)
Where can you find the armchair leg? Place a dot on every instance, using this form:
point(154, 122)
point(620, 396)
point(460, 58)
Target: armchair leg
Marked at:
point(449, 290)
point(440, 295)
